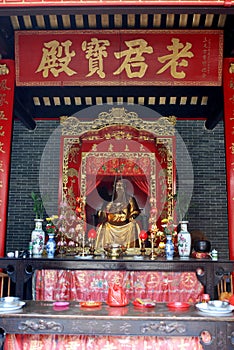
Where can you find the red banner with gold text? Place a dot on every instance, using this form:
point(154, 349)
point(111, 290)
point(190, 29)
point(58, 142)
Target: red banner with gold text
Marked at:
point(228, 82)
point(7, 83)
point(112, 57)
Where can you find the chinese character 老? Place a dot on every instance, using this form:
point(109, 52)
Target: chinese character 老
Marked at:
point(176, 58)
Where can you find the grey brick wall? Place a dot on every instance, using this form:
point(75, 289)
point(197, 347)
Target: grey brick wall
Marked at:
point(28, 148)
point(208, 207)
point(206, 151)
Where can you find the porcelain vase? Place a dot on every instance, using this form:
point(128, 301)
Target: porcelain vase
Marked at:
point(184, 241)
point(38, 238)
point(169, 248)
point(51, 246)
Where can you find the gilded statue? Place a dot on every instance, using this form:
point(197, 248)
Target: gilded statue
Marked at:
point(117, 224)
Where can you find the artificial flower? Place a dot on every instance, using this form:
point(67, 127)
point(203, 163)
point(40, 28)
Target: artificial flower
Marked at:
point(51, 224)
point(169, 228)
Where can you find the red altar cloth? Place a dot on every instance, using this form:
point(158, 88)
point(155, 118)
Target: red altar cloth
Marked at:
point(94, 284)
point(70, 342)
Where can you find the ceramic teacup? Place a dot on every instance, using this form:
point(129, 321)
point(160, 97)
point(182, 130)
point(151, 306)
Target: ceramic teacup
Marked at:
point(217, 304)
point(9, 301)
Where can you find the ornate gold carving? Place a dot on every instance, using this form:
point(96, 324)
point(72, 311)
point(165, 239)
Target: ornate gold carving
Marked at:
point(72, 172)
point(67, 151)
point(4, 70)
point(168, 158)
point(163, 126)
point(160, 131)
point(231, 68)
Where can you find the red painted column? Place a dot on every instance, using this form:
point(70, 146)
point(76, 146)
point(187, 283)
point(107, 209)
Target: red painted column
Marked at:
point(7, 84)
point(228, 86)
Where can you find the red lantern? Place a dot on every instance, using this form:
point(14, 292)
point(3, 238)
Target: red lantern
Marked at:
point(143, 235)
point(92, 234)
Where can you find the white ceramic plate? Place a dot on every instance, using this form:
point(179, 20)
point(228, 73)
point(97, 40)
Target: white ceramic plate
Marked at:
point(12, 307)
point(204, 308)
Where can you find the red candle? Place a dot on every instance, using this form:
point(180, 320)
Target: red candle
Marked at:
point(143, 235)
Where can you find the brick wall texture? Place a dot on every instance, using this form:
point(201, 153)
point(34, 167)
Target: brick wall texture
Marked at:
point(200, 170)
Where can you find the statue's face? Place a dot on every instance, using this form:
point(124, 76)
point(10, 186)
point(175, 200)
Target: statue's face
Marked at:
point(119, 186)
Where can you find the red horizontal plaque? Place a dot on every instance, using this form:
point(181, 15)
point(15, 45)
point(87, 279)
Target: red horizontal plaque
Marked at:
point(111, 57)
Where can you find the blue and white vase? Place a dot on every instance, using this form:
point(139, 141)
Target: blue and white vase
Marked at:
point(51, 246)
point(184, 241)
point(169, 248)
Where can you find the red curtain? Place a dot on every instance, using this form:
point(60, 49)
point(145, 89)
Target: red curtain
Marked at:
point(93, 285)
point(77, 342)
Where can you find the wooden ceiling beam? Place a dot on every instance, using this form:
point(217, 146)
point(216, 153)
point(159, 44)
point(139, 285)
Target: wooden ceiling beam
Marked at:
point(23, 115)
point(98, 10)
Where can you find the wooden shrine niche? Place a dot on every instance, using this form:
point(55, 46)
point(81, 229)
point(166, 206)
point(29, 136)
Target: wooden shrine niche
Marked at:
point(118, 144)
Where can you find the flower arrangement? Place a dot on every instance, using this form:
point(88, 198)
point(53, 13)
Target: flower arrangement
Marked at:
point(51, 225)
point(169, 227)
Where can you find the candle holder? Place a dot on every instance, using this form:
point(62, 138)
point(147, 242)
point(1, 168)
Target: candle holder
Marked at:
point(143, 250)
point(92, 234)
point(152, 255)
point(83, 245)
point(62, 245)
point(92, 246)
point(143, 236)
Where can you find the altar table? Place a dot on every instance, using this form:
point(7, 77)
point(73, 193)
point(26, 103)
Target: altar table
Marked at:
point(23, 271)
point(115, 328)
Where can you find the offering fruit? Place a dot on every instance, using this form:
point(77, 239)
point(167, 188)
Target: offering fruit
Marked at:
point(225, 296)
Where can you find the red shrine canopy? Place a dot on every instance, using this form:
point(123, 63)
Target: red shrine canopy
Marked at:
point(92, 161)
